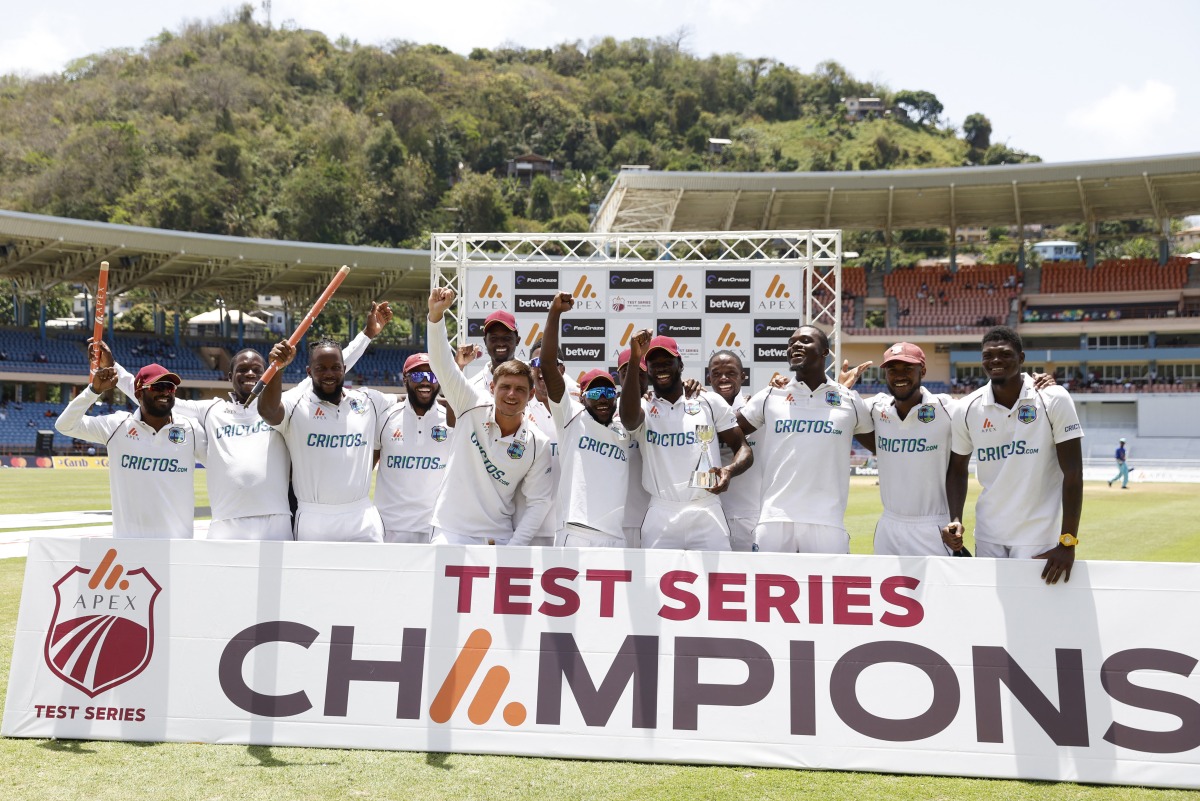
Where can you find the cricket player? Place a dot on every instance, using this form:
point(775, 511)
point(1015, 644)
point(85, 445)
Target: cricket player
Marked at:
point(414, 449)
point(740, 503)
point(496, 453)
point(500, 338)
point(248, 465)
point(637, 500)
point(330, 433)
point(151, 453)
point(665, 425)
point(1027, 445)
point(594, 455)
point(807, 427)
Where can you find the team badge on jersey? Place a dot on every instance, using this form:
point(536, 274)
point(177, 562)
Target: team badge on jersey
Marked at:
point(1027, 414)
point(833, 397)
point(516, 450)
point(692, 407)
point(926, 413)
point(177, 434)
point(439, 433)
point(619, 431)
point(358, 406)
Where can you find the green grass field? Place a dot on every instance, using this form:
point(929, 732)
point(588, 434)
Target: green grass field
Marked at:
point(1148, 522)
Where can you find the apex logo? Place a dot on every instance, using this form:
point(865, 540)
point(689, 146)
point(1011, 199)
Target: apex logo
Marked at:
point(132, 433)
point(397, 435)
point(583, 290)
point(487, 697)
point(490, 289)
point(790, 398)
point(535, 331)
point(625, 337)
point(319, 413)
point(111, 637)
point(987, 425)
point(726, 338)
point(679, 289)
point(777, 289)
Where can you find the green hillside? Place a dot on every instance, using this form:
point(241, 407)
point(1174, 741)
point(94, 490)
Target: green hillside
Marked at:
point(235, 127)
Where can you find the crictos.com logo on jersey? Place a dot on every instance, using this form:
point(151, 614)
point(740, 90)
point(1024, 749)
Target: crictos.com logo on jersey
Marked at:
point(102, 631)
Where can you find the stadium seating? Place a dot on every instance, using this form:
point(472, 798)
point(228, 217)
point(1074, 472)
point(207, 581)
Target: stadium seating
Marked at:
point(20, 422)
point(1114, 275)
point(975, 295)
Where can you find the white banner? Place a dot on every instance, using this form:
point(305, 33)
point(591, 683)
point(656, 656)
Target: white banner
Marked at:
point(968, 667)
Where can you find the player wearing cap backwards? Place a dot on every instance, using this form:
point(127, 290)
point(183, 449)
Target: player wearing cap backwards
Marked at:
point(594, 455)
point(1030, 463)
point(680, 516)
point(248, 465)
point(414, 449)
point(330, 433)
point(805, 443)
point(740, 504)
point(496, 453)
point(637, 500)
point(150, 453)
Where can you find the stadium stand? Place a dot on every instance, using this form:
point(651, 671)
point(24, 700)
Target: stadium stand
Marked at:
point(20, 422)
point(1114, 275)
point(977, 295)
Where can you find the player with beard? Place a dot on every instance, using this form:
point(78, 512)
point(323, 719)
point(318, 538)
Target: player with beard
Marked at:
point(807, 427)
point(740, 504)
point(680, 516)
point(1030, 463)
point(151, 453)
point(330, 433)
point(500, 338)
point(414, 449)
point(496, 454)
point(594, 455)
point(248, 466)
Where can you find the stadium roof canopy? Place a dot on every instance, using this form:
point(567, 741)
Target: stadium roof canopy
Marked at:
point(38, 252)
point(1160, 187)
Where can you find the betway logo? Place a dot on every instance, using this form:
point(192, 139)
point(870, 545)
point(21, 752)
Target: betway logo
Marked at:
point(534, 303)
point(587, 353)
point(727, 303)
point(770, 353)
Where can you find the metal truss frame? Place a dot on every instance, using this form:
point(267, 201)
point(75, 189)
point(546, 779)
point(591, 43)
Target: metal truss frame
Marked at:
point(818, 253)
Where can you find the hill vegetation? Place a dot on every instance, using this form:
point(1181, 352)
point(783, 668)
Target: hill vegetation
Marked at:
point(236, 127)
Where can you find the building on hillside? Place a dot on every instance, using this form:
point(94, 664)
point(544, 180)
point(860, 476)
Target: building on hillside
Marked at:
point(864, 108)
point(529, 166)
point(1057, 250)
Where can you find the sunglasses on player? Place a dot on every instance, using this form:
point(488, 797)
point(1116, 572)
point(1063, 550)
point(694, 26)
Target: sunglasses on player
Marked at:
point(421, 377)
point(599, 393)
point(162, 386)
point(536, 361)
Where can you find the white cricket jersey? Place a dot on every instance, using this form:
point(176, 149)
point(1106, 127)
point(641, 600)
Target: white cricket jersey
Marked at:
point(637, 500)
point(332, 444)
point(413, 453)
point(594, 461)
point(1017, 463)
point(804, 440)
point(537, 413)
point(247, 465)
point(913, 454)
point(487, 471)
point(670, 450)
point(744, 495)
point(149, 472)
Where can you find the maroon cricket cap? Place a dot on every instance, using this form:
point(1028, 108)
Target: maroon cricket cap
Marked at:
point(153, 373)
point(904, 352)
point(623, 359)
point(503, 318)
point(415, 361)
point(587, 379)
point(663, 343)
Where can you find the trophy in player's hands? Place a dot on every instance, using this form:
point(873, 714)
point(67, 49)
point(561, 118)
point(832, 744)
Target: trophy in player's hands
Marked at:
point(703, 477)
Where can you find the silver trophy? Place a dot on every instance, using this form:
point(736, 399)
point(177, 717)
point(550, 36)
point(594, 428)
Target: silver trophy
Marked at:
point(702, 478)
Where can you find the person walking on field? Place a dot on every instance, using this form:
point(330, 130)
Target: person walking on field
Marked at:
point(1122, 467)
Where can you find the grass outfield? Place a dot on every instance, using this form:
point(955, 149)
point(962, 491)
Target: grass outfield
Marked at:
point(1147, 522)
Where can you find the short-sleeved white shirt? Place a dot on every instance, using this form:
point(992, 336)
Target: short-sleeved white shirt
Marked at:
point(332, 444)
point(487, 470)
point(1017, 463)
point(804, 439)
point(913, 454)
point(413, 453)
point(150, 472)
point(594, 462)
point(637, 500)
point(539, 414)
point(668, 444)
point(744, 495)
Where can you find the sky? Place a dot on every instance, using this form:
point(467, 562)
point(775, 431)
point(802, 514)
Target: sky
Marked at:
point(1068, 80)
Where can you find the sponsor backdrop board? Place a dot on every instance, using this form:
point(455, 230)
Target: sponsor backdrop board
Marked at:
point(911, 665)
point(751, 312)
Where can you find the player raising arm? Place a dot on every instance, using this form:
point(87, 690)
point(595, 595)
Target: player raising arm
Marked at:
point(495, 453)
